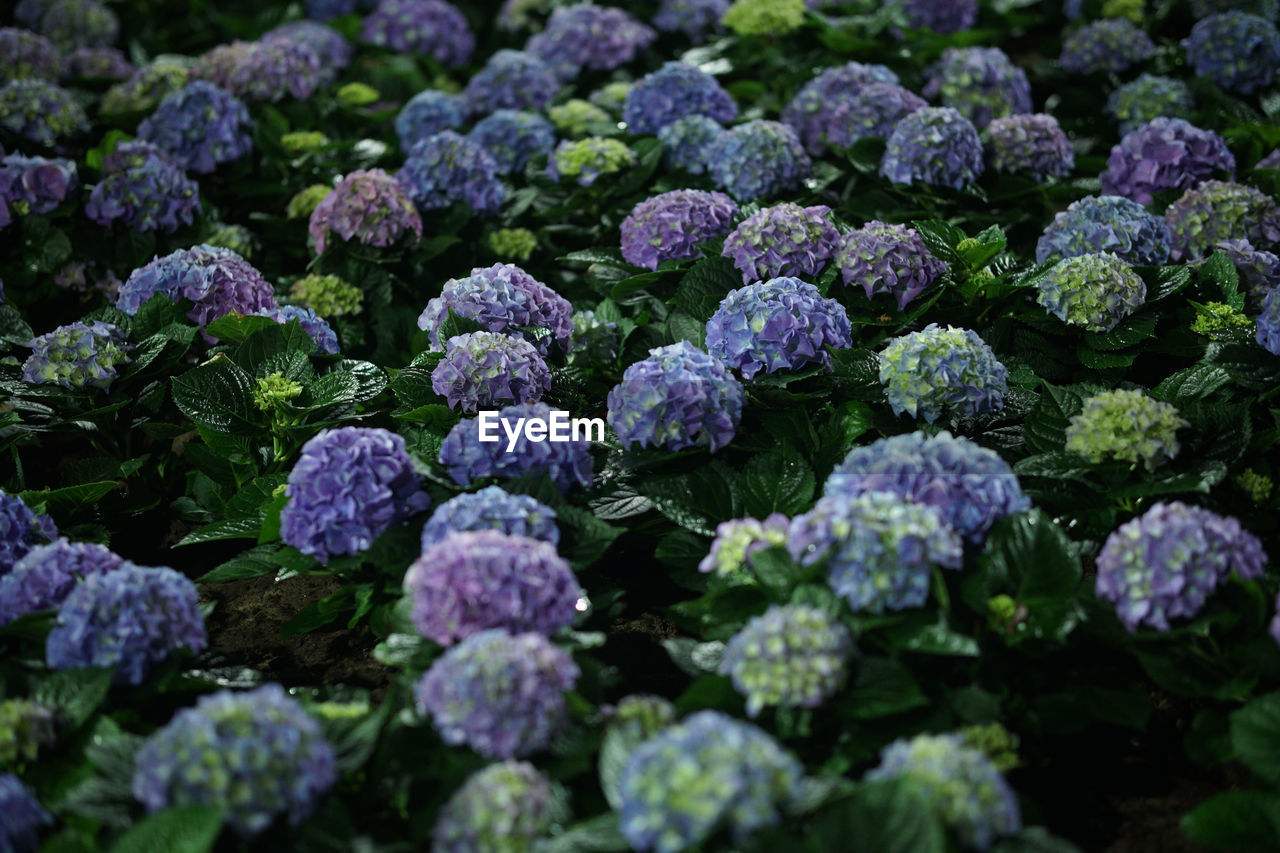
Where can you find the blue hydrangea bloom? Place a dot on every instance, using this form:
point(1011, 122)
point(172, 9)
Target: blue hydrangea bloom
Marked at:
point(333, 51)
point(347, 487)
point(427, 113)
point(433, 27)
point(812, 109)
point(872, 111)
point(982, 83)
point(481, 369)
point(512, 138)
point(687, 143)
point(254, 755)
point(313, 324)
point(467, 458)
point(782, 240)
point(199, 126)
point(216, 280)
point(696, 19)
point(938, 371)
point(1149, 96)
point(1164, 154)
point(1032, 145)
point(738, 539)
point(1268, 334)
point(45, 576)
point(941, 16)
point(779, 324)
point(933, 145)
point(1238, 51)
point(758, 159)
point(28, 55)
point(502, 298)
point(1111, 44)
point(676, 398)
point(40, 112)
point(21, 816)
point(1106, 223)
point(36, 184)
point(367, 205)
point(507, 806)
point(674, 91)
point(884, 258)
point(77, 356)
point(500, 694)
point(669, 226)
point(1095, 291)
point(447, 168)
point(1214, 211)
point(511, 80)
point(586, 36)
point(143, 189)
point(20, 530)
point(491, 508)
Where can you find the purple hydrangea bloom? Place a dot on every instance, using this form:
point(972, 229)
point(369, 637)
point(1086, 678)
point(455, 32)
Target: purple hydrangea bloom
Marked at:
point(347, 487)
point(21, 816)
point(500, 694)
point(511, 80)
point(941, 16)
point(433, 27)
point(1034, 145)
point(97, 63)
point(1149, 96)
point(427, 113)
point(252, 755)
point(143, 189)
point(1166, 563)
point(45, 576)
point(467, 458)
point(933, 145)
point(1221, 210)
point(367, 205)
point(1164, 154)
point(1259, 271)
point(475, 580)
point(758, 159)
point(812, 110)
point(270, 70)
point(890, 259)
point(333, 51)
point(77, 356)
point(35, 184)
point(585, 36)
point(448, 168)
point(1111, 44)
point(783, 240)
point(695, 18)
point(24, 54)
point(779, 324)
point(1106, 223)
point(1238, 51)
point(20, 530)
point(1268, 322)
point(481, 369)
point(75, 23)
point(506, 806)
point(674, 91)
point(491, 508)
point(315, 326)
point(938, 371)
point(687, 143)
point(39, 111)
point(512, 138)
point(199, 127)
point(217, 65)
point(669, 226)
point(980, 82)
point(217, 280)
point(502, 298)
point(1094, 291)
point(970, 486)
point(128, 619)
point(873, 111)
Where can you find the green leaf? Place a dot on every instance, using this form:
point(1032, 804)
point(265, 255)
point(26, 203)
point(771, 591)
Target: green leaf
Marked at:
point(232, 528)
point(1192, 383)
point(70, 500)
point(889, 816)
point(236, 328)
point(273, 339)
point(692, 657)
point(883, 688)
point(1219, 270)
point(74, 693)
point(1168, 281)
point(1129, 333)
point(935, 639)
point(1237, 822)
point(1099, 360)
point(219, 395)
point(14, 329)
point(708, 281)
point(1255, 735)
point(698, 500)
point(253, 563)
point(682, 327)
point(455, 324)
point(1035, 839)
point(599, 834)
point(775, 481)
point(177, 829)
point(941, 238)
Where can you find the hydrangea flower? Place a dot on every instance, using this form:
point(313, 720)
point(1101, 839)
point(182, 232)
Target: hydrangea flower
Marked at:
point(676, 398)
point(738, 539)
point(347, 487)
point(611, 97)
point(1111, 44)
point(199, 127)
point(970, 486)
point(961, 783)
point(432, 27)
point(933, 145)
point(367, 205)
point(427, 113)
point(500, 694)
point(491, 508)
point(25, 728)
point(687, 143)
point(511, 80)
point(45, 575)
point(304, 203)
point(466, 458)
point(1271, 161)
point(1166, 563)
point(254, 756)
point(670, 225)
point(448, 168)
point(21, 816)
point(78, 356)
point(1259, 271)
point(812, 110)
point(674, 91)
point(507, 806)
point(1214, 211)
point(1164, 154)
point(97, 63)
point(1268, 334)
point(782, 240)
point(938, 371)
point(35, 184)
point(270, 70)
point(129, 619)
point(1127, 426)
point(764, 18)
point(333, 51)
point(74, 23)
point(481, 369)
point(518, 16)
point(586, 36)
point(145, 87)
point(143, 189)
point(1033, 145)
point(1238, 51)
point(1106, 224)
point(217, 280)
point(707, 772)
point(326, 295)
point(779, 324)
point(593, 341)
point(793, 656)
point(512, 244)
point(511, 138)
point(576, 118)
point(758, 159)
point(474, 580)
point(501, 298)
point(941, 16)
point(981, 83)
point(20, 530)
point(40, 112)
point(873, 111)
point(639, 716)
point(696, 19)
point(884, 258)
point(1149, 96)
point(586, 160)
point(314, 325)
point(218, 64)
point(1094, 291)
point(24, 54)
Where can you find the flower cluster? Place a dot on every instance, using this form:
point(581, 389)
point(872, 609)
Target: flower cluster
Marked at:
point(217, 281)
point(676, 398)
point(467, 458)
point(254, 756)
point(511, 138)
point(1111, 224)
point(21, 816)
point(1094, 291)
point(587, 36)
point(764, 18)
point(20, 530)
point(674, 91)
point(1268, 334)
point(25, 728)
point(481, 369)
point(427, 113)
point(1238, 51)
point(511, 80)
point(737, 540)
point(491, 508)
point(24, 54)
point(758, 159)
point(98, 63)
point(500, 694)
point(72, 23)
point(35, 184)
point(941, 16)
point(872, 111)
point(938, 371)
point(1164, 154)
point(890, 259)
point(79, 356)
point(143, 189)
point(812, 110)
point(305, 201)
point(1218, 319)
point(199, 127)
point(731, 774)
point(687, 143)
point(576, 118)
point(333, 51)
point(1166, 563)
point(1221, 210)
point(316, 327)
point(933, 145)
point(431, 27)
point(326, 295)
point(670, 225)
point(593, 341)
point(1033, 145)
point(506, 806)
point(270, 70)
point(585, 160)
point(980, 82)
point(1127, 426)
point(1111, 44)
point(783, 240)
point(347, 487)
point(1149, 96)
point(513, 244)
point(367, 205)
point(43, 577)
point(501, 298)
point(145, 87)
point(1259, 271)
point(40, 112)
point(695, 18)
point(779, 324)
point(448, 168)
point(237, 238)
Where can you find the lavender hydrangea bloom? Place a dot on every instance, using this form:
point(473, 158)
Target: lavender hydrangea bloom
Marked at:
point(448, 168)
point(1108, 223)
point(433, 27)
point(218, 64)
point(585, 36)
point(128, 619)
point(960, 782)
point(511, 80)
point(732, 775)
point(1164, 154)
point(687, 143)
point(45, 576)
point(491, 508)
point(253, 756)
point(368, 205)
point(143, 189)
point(78, 356)
point(20, 530)
point(941, 16)
point(1268, 333)
point(1259, 271)
point(1166, 563)
point(333, 51)
point(890, 259)
point(812, 109)
point(217, 280)
point(512, 138)
point(507, 806)
point(1111, 44)
point(316, 327)
point(75, 23)
point(938, 371)
point(676, 398)
point(24, 54)
point(39, 111)
point(695, 18)
point(674, 91)
point(466, 458)
point(347, 487)
point(779, 324)
point(271, 70)
point(475, 580)
point(481, 369)
point(980, 82)
point(1094, 291)
point(97, 63)
point(669, 226)
point(758, 159)
point(970, 486)
point(21, 816)
point(35, 184)
point(783, 240)
point(427, 113)
point(502, 298)
point(199, 127)
point(873, 111)
point(1149, 96)
point(1221, 210)
point(933, 145)
point(500, 694)
point(1238, 51)
point(1034, 145)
